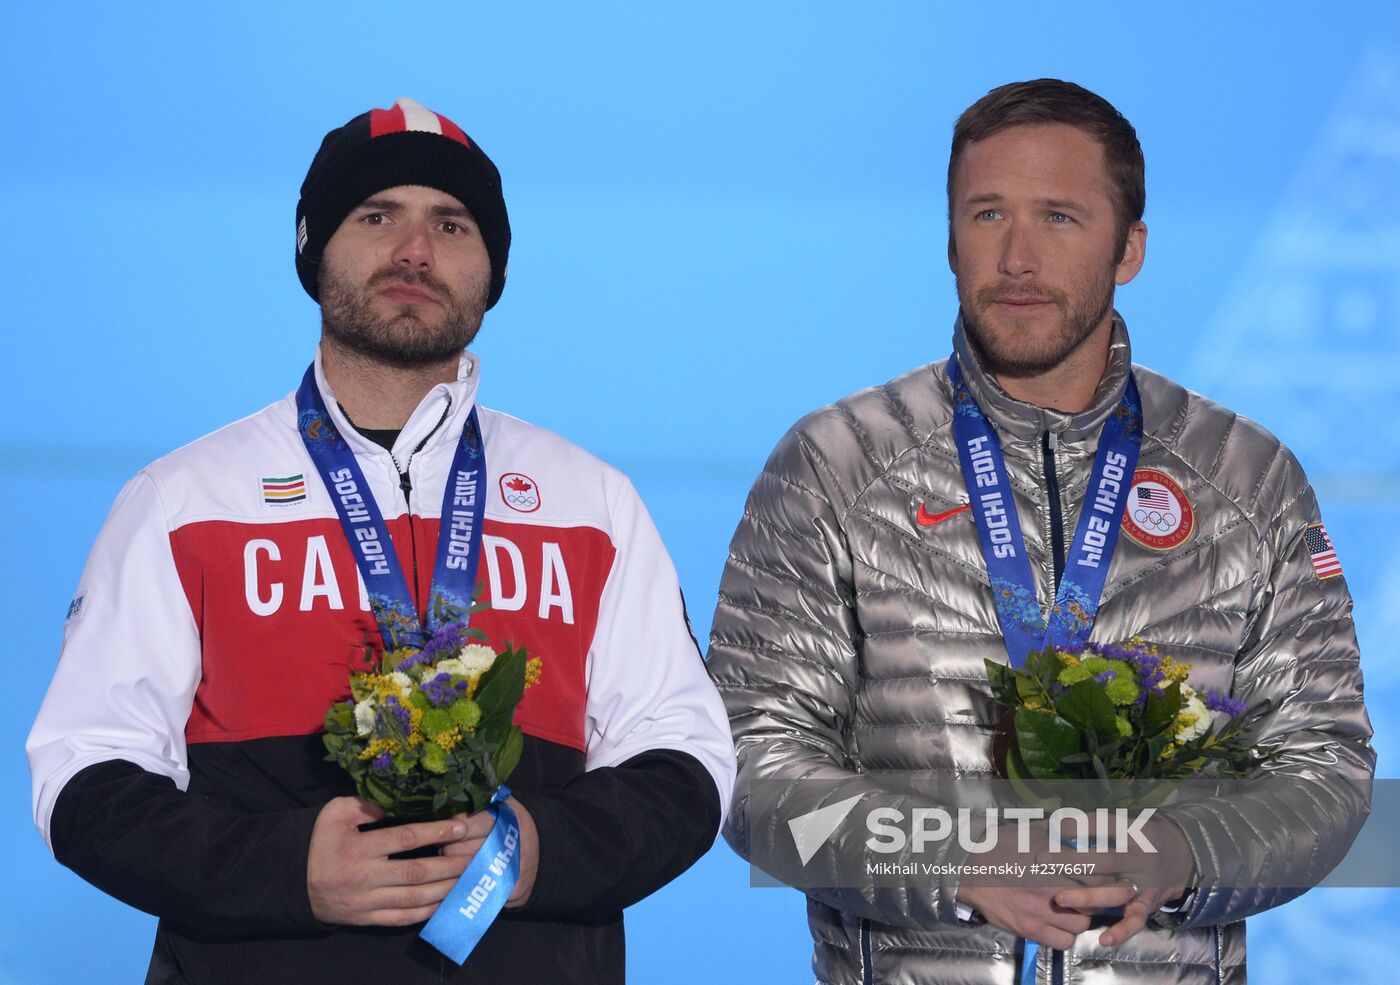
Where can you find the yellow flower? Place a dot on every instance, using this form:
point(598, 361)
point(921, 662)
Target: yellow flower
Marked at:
point(1174, 670)
point(534, 667)
point(378, 747)
point(448, 738)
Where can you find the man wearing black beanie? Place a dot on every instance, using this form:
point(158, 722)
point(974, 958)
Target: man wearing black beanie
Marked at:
point(178, 759)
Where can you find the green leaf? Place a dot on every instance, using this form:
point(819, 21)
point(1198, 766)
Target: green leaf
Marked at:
point(1046, 664)
point(1000, 677)
point(509, 754)
point(501, 686)
point(1086, 706)
point(1027, 689)
point(378, 792)
point(340, 715)
point(1160, 712)
point(1044, 740)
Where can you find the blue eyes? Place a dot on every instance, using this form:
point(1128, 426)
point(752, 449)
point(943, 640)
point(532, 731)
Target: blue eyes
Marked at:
point(1054, 218)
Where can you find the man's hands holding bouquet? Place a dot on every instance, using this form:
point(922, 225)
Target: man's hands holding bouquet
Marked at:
point(1093, 715)
point(352, 877)
point(1131, 883)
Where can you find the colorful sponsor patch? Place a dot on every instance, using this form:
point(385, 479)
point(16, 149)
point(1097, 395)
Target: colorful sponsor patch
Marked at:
point(520, 492)
point(284, 490)
point(1324, 558)
point(75, 608)
point(1157, 514)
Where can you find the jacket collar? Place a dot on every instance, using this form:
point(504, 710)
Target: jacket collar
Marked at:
point(1027, 421)
point(455, 399)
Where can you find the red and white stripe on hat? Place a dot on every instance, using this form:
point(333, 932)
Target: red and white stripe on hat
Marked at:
point(409, 115)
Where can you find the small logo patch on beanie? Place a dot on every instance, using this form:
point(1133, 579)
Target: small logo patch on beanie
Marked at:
point(301, 235)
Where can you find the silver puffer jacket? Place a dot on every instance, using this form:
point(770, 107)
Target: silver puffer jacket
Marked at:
point(849, 640)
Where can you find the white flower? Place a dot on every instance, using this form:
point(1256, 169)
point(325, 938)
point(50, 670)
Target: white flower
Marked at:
point(403, 683)
point(473, 661)
point(1194, 706)
point(364, 718)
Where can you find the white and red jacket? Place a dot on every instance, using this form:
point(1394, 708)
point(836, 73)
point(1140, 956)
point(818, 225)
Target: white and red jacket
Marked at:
point(177, 759)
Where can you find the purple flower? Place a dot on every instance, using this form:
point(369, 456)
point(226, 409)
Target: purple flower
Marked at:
point(447, 638)
point(1216, 701)
point(399, 712)
point(382, 762)
point(441, 691)
point(1105, 677)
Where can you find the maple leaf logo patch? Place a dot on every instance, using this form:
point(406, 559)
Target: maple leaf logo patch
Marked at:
point(520, 492)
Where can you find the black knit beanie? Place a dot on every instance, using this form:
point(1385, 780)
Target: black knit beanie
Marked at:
point(384, 148)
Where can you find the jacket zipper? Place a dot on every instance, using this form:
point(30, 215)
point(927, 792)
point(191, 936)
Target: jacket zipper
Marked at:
point(867, 972)
point(1052, 485)
point(1048, 444)
point(406, 484)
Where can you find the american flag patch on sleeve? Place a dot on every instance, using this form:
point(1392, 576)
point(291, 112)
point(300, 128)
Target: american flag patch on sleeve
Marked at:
point(1324, 558)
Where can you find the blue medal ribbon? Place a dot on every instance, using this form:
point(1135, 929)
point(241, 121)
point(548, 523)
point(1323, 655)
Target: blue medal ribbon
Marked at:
point(993, 502)
point(463, 917)
point(483, 889)
point(999, 528)
point(459, 533)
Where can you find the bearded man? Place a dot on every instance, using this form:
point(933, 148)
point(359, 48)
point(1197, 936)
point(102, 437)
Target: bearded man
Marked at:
point(177, 759)
point(857, 607)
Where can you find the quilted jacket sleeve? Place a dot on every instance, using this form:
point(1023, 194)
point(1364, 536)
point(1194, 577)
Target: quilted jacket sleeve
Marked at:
point(785, 654)
point(1299, 675)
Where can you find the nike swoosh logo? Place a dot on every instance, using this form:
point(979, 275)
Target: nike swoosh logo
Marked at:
point(927, 519)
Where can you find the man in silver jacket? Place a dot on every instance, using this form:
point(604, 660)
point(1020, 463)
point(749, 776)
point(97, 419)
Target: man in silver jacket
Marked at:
point(855, 610)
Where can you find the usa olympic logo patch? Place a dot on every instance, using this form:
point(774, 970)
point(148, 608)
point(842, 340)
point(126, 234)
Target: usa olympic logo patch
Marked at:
point(1157, 514)
point(520, 492)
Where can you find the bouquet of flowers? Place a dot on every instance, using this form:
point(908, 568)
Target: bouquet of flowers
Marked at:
point(1112, 713)
point(428, 732)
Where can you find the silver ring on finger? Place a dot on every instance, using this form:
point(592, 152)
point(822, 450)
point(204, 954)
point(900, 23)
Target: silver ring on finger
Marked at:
point(1137, 890)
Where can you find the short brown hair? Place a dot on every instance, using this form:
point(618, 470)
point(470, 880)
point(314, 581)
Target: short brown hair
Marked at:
point(1045, 101)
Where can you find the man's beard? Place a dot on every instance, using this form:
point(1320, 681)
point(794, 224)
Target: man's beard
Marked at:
point(403, 339)
point(1014, 353)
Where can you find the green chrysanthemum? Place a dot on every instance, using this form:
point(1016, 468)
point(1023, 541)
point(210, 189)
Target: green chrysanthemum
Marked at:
point(1123, 688)
point(434, 721)
point(1073, 675)
point(466, 714)
point(434, 759)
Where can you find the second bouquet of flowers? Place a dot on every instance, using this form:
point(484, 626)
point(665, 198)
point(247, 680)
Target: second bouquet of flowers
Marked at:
point(1101, 712)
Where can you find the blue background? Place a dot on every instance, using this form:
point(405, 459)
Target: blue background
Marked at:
point(725, 215)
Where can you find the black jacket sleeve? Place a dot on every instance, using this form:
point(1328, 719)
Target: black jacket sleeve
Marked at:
point(185, 857)
point(614, 835)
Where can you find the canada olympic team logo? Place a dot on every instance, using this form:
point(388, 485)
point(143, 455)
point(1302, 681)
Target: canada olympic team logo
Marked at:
point(1157, 514)
point(520, 492)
